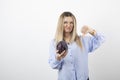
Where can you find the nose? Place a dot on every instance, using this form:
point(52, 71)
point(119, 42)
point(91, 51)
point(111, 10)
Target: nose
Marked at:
point(68, 24)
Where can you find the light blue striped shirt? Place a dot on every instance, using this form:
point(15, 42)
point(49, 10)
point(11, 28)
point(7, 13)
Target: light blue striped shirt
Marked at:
point(74, 66)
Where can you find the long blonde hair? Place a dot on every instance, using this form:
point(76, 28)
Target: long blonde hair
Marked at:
point(59, 36)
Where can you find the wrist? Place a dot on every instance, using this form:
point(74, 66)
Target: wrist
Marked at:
point(92, 32)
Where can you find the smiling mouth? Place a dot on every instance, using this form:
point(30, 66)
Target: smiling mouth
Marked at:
point(67, 28)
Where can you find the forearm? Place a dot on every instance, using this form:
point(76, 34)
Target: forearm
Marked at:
point(54, 63)
point(96, 41)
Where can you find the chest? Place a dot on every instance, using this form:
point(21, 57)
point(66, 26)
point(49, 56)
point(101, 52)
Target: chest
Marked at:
point(75, 53)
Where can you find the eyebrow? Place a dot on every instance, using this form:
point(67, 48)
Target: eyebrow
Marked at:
point(67, 21)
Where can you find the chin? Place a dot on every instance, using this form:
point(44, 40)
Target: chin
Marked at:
point(68, 31)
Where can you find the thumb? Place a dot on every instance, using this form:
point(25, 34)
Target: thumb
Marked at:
point(57, 51)
point(83, 34)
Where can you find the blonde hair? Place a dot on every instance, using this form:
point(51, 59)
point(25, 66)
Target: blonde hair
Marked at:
point(59, 36)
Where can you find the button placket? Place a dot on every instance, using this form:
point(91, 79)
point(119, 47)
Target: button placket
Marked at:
point(71, 56)
point(69, 48)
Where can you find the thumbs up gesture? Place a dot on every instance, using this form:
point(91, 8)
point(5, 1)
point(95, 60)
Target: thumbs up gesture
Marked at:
point(86, 29)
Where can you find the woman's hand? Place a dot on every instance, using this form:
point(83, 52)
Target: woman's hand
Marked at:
point(86, 29)
point(61, 55)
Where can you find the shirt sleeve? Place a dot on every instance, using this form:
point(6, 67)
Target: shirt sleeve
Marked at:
point(54, 63)
point(95, 41)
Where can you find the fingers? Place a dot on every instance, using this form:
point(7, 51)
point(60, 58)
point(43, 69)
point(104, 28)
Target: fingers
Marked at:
point(85, 30)
point(57, 51)
point(62, 55)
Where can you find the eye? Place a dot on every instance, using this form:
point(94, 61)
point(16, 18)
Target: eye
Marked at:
point(71, 22)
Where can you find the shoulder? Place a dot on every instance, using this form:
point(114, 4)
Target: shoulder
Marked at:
point(52, 42)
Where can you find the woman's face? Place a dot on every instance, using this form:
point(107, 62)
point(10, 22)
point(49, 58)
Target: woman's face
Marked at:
point(68, 24)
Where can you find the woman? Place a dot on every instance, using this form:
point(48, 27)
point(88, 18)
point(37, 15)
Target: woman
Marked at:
point(73, 63)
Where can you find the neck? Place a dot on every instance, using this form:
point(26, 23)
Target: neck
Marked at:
point(67, 37)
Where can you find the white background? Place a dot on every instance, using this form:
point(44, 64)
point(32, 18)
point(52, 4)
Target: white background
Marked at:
point(27, 26)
